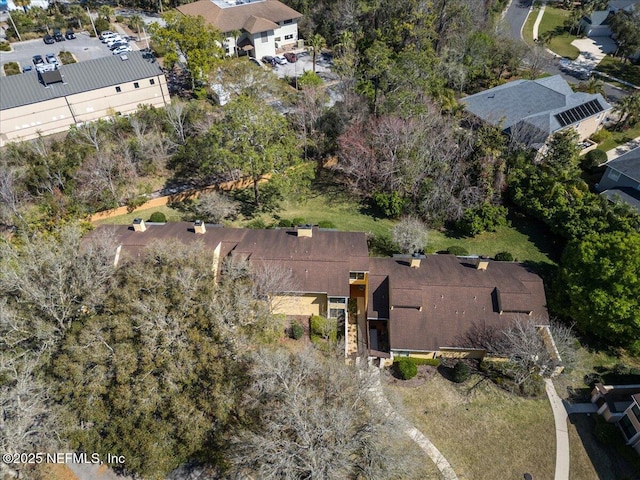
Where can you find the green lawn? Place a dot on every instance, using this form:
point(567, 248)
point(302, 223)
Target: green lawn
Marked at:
point(483, 431)
point(171, 214)
point(553, 21)
point(616, 68)
point(525, 239)
point(618, 138)
point(527, 29)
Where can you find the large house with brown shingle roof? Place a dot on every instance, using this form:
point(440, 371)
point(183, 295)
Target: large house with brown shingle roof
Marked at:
point(418, 306)
point(255, 27)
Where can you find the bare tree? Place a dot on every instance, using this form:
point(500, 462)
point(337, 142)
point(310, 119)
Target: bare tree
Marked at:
point(176, 114)
point(215, 206)
point(58, 277)
point(410, 234)
point(311, 417)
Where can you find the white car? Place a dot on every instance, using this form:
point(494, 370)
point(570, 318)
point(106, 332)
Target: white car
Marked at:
point(110, 37)
point(121, 50)
point(107, 34)
point(280, 60)
point(113, 40)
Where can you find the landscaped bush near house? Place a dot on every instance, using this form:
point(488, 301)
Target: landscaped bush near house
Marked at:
point(296, 331)
point(503, 257)
point(601, 135)
point(389, 204)
point(458, 251)
point(257, 224)
point(11, 68)
point(434, 362)
point(158, 217)
point(485, 218)
point(326, 224)
point(324, 328)
point(406, 368)
point(66, 58)
point(283, 222)
point(593, 159)
point(298, 221)
point(101, 24)
point(460, 372)
point(5, 47)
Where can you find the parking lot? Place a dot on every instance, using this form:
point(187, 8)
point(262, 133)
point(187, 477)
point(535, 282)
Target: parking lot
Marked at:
point(83, 48)
point(324, 63)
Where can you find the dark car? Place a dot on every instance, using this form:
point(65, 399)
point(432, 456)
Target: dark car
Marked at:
point(57, 35)
point(291, 57)
point(269, 60)
point(38, 60)
point(48, 39)
point(70, 35)
point(118, 45)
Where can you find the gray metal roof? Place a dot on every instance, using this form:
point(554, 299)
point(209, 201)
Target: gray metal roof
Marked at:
point(27, 88)
point(627, 164)
point(624, 194)
point(534, 103)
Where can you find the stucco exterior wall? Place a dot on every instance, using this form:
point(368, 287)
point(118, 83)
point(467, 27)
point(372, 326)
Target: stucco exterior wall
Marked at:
point(263, 46)
point(589, 126)
point(306, 304)
point(58, 114)
point(288, 30)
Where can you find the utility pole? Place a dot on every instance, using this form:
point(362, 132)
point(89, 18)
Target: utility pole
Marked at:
point(14, 26)
point(92, 24)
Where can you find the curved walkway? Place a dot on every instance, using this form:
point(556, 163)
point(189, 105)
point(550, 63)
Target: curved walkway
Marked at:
point(416, 435)
point(536, 24)
point(562, 435)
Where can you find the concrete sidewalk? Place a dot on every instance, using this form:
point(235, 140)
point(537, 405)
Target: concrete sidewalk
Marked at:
point(562, 435)
point(622, 149)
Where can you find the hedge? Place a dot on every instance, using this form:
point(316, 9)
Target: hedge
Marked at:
point(406, 368)
point(158, 217)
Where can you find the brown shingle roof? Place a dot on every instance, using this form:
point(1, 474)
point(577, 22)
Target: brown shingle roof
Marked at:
point(453, 295)
point(320, 263)
point(267, 14)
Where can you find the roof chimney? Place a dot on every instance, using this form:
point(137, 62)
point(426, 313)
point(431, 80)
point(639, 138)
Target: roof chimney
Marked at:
point(415, 260)
point(199, 227)
point(138, 225)
point(305, 230)
point(483, 264)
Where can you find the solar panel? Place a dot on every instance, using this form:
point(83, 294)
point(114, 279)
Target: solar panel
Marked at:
point(576, 114)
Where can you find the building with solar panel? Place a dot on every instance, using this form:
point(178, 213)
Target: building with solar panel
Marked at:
point(45, 102)
point(530, 111)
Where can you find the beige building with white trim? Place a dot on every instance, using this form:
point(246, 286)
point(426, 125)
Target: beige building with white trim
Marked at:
point(34, 104)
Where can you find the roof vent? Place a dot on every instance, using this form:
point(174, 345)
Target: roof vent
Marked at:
point(138, 225)
point(305, 230)
point(199, 227)
point(124, 57)
point(415, 260)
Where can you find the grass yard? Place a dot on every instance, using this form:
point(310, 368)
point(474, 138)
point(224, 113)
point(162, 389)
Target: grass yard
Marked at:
point(616, 68)
point(619, 138)
point(560, 43)
point(527, 29)
point(171, 214)
point(485, 432)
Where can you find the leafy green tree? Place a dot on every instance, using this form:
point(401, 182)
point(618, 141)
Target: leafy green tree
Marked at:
point(625, 25)
point(317, 42)
point(600, 281)
point(192, 39)
point(254, 139)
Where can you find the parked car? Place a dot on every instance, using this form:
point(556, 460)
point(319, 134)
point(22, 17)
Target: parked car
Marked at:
point(51, 58)
point(27, 68)
point(106, 34)
point(57, 35)
point(280, 60)
point(256, 61)
point(70, 35)
point(291, 57)
point(122, 43)
point(269, 60)
point(48, 39)
point(113, 40)
point(38, 60)
point(121, 50)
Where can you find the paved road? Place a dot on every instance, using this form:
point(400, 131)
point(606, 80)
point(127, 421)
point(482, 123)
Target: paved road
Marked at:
point(516, 15)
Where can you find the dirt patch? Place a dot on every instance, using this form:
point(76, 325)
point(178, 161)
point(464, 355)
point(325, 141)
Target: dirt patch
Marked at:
point(425, 372)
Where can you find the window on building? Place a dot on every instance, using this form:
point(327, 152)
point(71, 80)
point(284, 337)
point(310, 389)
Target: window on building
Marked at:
point(613, 175)
point(136, 85)
point(288, 22)
point(636, 411)
point(627, 427)
point(152, 81)
point(265, 37)
point(288, 37)
point(337, 300)
point(356, 275)
point(277, 39)
point(335, 312)
point(118, 89)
